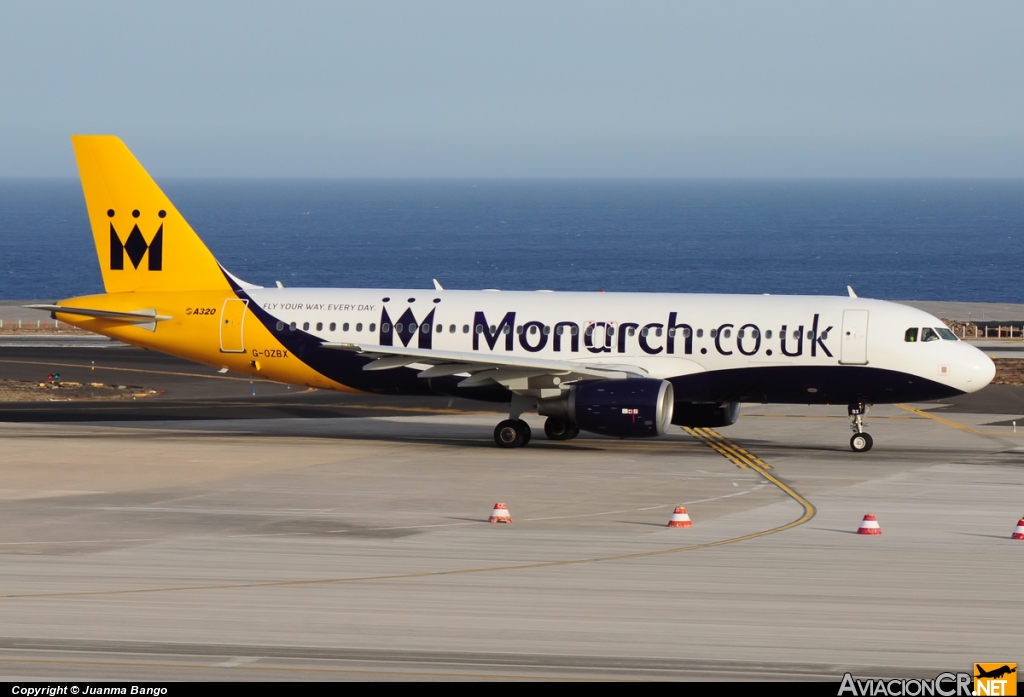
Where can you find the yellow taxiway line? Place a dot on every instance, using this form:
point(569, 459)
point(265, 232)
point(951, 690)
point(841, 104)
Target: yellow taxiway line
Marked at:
point(946, 422)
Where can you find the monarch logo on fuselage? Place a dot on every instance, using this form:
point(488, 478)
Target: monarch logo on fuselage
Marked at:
point(136, 247)
point(406, 328)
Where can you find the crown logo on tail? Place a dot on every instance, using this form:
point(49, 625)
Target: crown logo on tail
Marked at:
point(136, 246)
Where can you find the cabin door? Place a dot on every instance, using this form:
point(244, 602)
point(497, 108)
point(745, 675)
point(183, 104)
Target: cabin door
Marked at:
point(854, 350)
point(232, 322)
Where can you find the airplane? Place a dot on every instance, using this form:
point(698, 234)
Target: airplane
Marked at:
point(625, 365)
point(995, 673)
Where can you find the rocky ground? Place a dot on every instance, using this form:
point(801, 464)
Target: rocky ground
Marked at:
point(60, 391)
point(1009, 371)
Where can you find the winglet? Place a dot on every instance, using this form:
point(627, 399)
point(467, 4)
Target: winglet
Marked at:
point(437, 286)
point(849, 289)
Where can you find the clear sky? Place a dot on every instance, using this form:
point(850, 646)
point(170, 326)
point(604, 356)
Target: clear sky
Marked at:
point(519, 89)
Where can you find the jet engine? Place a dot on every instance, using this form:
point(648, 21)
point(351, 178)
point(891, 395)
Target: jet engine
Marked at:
point(634, 408)
point(705, 415)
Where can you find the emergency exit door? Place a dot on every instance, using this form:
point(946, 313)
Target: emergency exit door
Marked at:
point(232, 324)
point(854, 349)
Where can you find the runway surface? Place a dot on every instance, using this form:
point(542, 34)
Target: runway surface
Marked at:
point(247, 544)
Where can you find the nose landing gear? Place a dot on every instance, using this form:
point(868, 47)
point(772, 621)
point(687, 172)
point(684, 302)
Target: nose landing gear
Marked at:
point(861, 442)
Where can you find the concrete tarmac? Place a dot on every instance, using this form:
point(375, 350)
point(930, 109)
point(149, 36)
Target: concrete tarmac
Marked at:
point(267, 548)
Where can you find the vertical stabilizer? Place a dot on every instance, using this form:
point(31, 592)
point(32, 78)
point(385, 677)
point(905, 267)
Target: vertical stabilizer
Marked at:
point(142, 242)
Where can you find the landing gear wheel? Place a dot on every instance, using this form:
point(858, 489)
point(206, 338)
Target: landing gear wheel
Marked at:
point(861, 442)
point(511, 434)
point(527, 433)
point(556, 429)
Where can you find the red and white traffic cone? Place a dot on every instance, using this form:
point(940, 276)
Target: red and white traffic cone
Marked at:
point(680, 519)
point(500, 514)
point(1018, 533)
point(869, 526)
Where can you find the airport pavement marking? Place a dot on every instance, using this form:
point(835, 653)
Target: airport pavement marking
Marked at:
point(740, 457)
point(752, 462)
point(943, 421)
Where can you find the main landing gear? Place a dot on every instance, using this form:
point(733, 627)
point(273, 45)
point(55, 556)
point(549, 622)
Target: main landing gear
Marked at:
point(556, 429)
point(513, 432)
point(861, 442)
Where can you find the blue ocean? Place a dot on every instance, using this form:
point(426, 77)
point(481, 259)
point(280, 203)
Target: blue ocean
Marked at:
point(922, 240)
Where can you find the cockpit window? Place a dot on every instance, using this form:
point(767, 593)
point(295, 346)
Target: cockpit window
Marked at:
point(946, 334)
point(911, 334)
point(928, 334)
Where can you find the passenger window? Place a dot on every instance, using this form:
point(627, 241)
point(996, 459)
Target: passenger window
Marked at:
point(465, 329)
point(824, 335)
point(344, 327)
point(319, 326)
point(533, 329)
point(590, 330)
point(439, 329)
point(305, 326)
point(574, 330)
point(451, 329)
point(610, 331)
point(373, 327)
point(547, 330)
point(519, 329)
point(631, 331)
point(739, 334)
point(946, 334)
point(643, 332)
point(359, 327)
point(686, 332)
point(280, 326)
point(753, 332)
point(713, 333)
point(810, 335)
point(508, 329)
point(559, 330)
point(333, 326)
point(700, 333)
point(424, 329)
point(928, 334)
point(292, 326)
point(399, 327)
point(657, 332)
point(479, 329)
point(768, 334)
point(796, 334)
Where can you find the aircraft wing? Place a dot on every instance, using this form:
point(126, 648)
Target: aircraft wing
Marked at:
point(513, 372)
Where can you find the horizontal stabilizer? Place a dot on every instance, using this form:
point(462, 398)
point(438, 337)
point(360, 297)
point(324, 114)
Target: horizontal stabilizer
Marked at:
point(146, 319)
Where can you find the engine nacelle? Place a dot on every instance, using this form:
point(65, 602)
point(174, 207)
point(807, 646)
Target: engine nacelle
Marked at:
point(635, 408)
point(705, 415)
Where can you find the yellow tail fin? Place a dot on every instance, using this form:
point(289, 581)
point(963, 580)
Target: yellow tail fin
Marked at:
point(142, 241)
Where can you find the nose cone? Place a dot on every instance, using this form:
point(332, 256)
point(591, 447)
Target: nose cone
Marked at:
point(975, 370)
